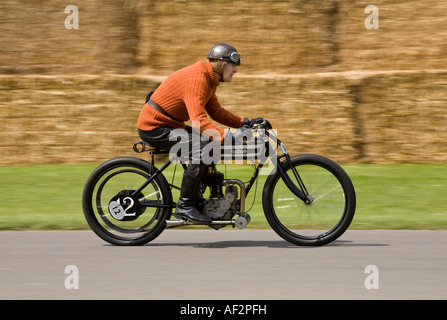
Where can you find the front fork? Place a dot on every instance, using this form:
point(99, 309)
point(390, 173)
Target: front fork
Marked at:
point(300, 191)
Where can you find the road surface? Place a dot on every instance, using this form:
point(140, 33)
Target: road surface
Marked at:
point(224, 264)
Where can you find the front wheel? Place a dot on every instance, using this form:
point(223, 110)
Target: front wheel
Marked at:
point(116, 212)
point(328, 213)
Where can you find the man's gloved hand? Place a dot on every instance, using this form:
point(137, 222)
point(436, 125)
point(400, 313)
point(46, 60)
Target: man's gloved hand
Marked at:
point(241, 134)
point(246, 122)
point(252, 122)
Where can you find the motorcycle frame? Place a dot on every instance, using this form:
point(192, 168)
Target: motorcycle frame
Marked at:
point(280, 165)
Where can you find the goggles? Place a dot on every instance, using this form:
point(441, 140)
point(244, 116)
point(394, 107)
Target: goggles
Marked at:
point(235, 58)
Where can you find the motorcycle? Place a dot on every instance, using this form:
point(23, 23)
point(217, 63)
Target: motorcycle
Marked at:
point(307, 199)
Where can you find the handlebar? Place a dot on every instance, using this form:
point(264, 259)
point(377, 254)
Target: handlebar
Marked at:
point(264, 124)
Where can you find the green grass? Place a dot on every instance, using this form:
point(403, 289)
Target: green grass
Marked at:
point(400, 196)
point(397, 196)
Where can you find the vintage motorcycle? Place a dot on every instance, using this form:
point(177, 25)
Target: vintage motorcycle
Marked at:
point(307, 199)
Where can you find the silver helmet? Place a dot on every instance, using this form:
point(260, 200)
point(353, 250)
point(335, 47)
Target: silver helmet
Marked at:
point(225, 52)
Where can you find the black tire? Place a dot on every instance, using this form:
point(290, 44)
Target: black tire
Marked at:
point(329, 214)
point(111, 185)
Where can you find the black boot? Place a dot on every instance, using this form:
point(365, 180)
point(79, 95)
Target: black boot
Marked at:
point(186, 208)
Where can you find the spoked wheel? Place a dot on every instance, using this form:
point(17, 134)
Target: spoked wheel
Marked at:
point(116, 212)
point(331, 207)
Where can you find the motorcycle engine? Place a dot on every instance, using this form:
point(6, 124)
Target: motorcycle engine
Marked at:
point(219, 206)
point(222, 208)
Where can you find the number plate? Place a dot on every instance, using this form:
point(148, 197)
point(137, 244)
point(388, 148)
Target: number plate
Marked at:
point(124, 207)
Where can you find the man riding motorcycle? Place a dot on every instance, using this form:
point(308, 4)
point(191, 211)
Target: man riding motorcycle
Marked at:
point(189, 94)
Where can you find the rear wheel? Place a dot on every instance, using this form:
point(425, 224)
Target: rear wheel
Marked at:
point(330, 211)
point(119, 215)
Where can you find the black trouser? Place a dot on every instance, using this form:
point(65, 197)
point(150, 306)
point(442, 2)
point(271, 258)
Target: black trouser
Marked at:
point(159, 138)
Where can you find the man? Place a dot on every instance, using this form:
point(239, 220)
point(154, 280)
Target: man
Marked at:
point(189, 94)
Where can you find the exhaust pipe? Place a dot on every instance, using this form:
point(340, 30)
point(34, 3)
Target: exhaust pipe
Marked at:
point(178, 223)
point(240, 222)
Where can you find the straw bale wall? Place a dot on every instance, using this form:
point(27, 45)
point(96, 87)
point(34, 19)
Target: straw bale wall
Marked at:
point(350, 117)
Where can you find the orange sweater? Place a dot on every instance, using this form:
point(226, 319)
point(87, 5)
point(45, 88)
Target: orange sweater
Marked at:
point(188, 94)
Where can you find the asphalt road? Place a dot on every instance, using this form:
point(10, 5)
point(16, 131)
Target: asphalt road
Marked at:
point(224, 264)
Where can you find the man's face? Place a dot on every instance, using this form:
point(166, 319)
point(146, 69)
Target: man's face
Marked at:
point(228, 72)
